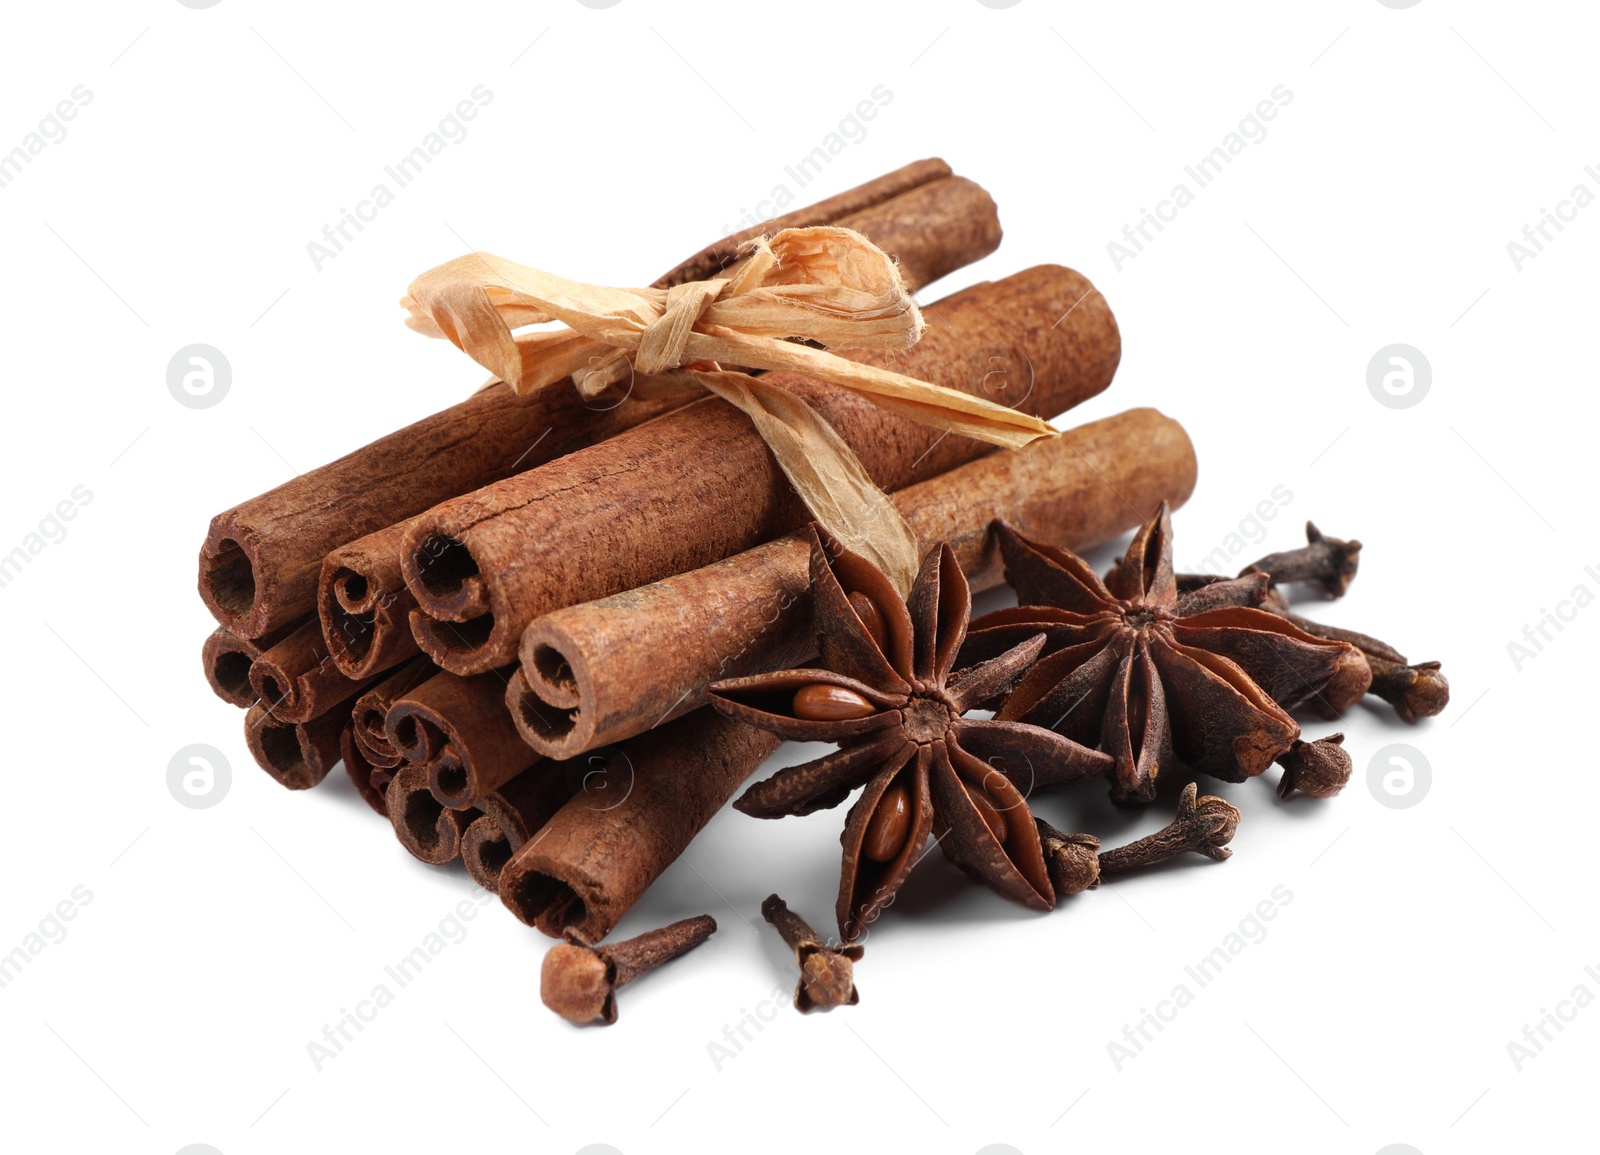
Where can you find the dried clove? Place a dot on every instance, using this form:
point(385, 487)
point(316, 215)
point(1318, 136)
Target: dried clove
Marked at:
point(1073, 859)
point(1419, 691)
point(1415, 691)
point(1319, 768)
point(827, 978)
point(1324, 561)
point(1203, 825)
point(579, 981)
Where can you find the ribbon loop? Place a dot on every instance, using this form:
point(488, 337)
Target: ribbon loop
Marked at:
point(827, 287)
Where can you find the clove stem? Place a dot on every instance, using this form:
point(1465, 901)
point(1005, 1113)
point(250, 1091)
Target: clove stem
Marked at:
point(827, 977)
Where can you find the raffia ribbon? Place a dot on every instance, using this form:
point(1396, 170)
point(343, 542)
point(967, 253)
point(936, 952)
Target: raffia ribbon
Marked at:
point(825, 285)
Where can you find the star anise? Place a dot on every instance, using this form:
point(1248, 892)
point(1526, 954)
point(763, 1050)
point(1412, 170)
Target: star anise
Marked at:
point(888, 697)
point(1149, 673)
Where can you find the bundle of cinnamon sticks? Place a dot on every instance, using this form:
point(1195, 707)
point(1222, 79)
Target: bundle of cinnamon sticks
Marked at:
point(503, 619)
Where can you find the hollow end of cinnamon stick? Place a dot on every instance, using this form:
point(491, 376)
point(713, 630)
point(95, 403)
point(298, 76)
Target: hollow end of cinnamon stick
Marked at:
point(485, 850)
point(458, 729)
point(229, 585)
point(450, 780)
point(556, 729)
point(459, 621)
point(511, 816)
point(297, 755)
point(227, 659)
point(425, 827)
point(364, 606)
point(472, 646)
point(553, 905)
point(605, 847)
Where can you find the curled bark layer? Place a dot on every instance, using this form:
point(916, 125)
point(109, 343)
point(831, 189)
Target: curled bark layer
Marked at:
point(370, 782)
point(458, 730)
point(297, 755)
point(511, 816)
point(431, 832)
point(296, 681)
point(227, 659)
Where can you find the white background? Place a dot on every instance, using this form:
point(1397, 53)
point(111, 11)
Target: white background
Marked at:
point(1378, 1007)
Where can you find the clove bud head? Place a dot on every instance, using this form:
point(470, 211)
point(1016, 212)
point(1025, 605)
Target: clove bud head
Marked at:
point(827, 980)
point(1214, 819)
point(1073, 860)
point(1351, 680)
point(577, 984)
point(1319, 768)
point(1419, 691)
point(827, 973)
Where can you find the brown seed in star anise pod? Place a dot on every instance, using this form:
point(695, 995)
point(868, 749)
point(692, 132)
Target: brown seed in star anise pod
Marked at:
point(887, 695)
point(1147, 673)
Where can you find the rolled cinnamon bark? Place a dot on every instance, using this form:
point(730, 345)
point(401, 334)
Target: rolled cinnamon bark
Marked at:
point(431, 832)
point(936, 223)
point(371, 782)
point(458, 730)
point(298, 755)
point(296, 681)
point(715, 258)
point(511, 816)
point(227, 658)
point(593, 860)
point(260, 561)
point(604, 671)
point(370, 716)
point(699, 484)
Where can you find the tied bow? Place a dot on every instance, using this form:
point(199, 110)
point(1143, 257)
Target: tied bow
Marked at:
point(827, 287)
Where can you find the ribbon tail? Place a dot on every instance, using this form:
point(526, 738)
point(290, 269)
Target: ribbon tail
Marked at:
point(826, 473)
point(922, 401)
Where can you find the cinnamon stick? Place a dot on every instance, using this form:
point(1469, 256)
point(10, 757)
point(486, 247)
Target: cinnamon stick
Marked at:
point(371, 712)
point(298, 755)
point(371, 782)
point(458, 730)
point(602, 850)
point(511, 816)
point(260, 561)
point(699, 484)
point(930, 221)
point(431, 832)
point(227, 659)
point(600, 672)
point(296, 681)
